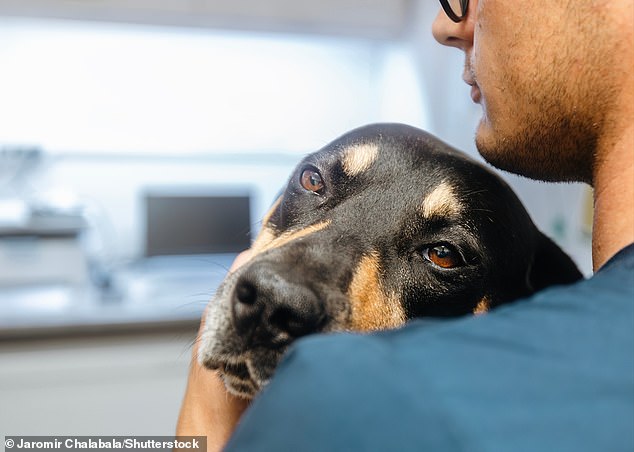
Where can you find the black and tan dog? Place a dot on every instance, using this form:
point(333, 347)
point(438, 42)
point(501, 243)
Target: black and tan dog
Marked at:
point(385, 224)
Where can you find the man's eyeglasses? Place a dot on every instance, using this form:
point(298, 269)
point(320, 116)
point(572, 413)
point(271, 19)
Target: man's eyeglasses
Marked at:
point(455, 9)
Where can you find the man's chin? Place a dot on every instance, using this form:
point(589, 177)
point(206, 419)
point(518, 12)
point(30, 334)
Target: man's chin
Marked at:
point(489, 147)
point(506, 153)
point(521, 155)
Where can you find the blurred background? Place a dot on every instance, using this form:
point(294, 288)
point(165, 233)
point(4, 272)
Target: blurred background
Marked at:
point(140, 143)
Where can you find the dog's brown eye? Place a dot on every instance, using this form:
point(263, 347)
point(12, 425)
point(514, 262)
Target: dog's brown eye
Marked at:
point(443, 256)
point(311, 180)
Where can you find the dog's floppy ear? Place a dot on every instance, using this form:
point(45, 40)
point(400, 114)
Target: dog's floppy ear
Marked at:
point(551, 266)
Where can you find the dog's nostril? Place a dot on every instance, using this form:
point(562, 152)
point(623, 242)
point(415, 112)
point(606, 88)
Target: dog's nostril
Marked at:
point(246, 309)
point(284, 321)
point(246, 293)
point(293, 322)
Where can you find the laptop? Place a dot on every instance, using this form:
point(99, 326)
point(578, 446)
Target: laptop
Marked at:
point(191, 237)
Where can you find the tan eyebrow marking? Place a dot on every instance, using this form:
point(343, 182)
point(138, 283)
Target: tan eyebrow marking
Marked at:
point(358, 158)
point(269, 240)
point(371, 308)
point(441, 202)
point(267, 234)
point(483, 306)
point(265, 237)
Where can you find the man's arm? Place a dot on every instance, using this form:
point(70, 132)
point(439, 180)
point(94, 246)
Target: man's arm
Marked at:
point(208, 409)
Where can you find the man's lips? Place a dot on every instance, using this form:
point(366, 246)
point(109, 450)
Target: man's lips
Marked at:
point(469, 78)
point(476, 95)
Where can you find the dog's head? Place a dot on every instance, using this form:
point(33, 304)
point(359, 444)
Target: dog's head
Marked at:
point(385, 224)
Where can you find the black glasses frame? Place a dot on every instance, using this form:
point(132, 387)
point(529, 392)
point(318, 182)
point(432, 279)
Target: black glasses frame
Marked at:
point(464, 6)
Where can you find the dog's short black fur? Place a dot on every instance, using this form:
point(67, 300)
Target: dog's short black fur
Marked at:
point(384, 224)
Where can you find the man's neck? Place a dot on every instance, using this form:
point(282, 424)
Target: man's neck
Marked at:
point(613, 226)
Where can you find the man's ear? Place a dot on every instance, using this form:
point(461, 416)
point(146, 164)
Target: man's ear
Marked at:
point(551, 266)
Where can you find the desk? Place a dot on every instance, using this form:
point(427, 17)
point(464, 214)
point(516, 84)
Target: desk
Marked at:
point(151, 294)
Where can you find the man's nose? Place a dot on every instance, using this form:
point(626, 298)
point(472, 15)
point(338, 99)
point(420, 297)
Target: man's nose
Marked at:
point(452, 34)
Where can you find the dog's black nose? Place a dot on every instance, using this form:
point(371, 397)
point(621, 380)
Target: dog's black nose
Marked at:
point(270, 310)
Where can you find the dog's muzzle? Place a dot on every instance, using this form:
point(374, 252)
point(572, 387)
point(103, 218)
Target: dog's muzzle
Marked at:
point(258, 311)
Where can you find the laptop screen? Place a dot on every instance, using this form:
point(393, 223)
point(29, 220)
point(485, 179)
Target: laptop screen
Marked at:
point(196, 224)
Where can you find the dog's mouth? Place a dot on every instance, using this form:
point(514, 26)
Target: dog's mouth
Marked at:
point(246, 351)
point(238, 379)
point(246, 375)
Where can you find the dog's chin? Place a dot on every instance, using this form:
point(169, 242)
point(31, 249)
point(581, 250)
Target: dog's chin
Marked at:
point(238, 381)
point(245, 376)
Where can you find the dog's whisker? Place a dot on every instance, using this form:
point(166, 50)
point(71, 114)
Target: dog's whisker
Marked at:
point(189, 304)
point(481, 210)
point(188, 348)
point(208, 295)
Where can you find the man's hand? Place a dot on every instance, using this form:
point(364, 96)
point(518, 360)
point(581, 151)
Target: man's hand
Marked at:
point(208, 409)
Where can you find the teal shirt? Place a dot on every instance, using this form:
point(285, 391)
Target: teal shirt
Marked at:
point(554, 372)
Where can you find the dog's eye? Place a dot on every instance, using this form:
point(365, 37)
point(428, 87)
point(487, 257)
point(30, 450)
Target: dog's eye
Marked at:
point(311, 180)
point(443, 256)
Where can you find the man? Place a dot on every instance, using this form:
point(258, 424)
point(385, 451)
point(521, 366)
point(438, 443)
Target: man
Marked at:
point(555, 80)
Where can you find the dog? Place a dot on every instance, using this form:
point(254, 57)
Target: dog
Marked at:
point(385, 224)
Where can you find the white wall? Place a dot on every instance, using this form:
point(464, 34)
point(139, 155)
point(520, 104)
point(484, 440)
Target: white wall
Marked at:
point(73, 86)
